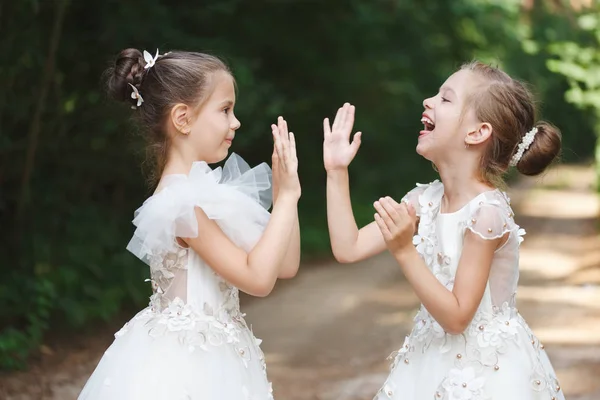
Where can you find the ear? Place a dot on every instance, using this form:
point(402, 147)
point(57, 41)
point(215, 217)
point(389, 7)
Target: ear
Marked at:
point(180, 117)
point(482, 133)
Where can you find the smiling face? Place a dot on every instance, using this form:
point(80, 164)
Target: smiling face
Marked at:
point(477, 120)
point(446, 120)
point(213, 130)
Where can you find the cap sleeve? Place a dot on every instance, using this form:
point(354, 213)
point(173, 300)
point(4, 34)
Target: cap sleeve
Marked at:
point(236, 197)
point(492, 218)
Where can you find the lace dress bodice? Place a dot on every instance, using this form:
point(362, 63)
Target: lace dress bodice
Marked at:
point(440, 237)
point(192, 341)
point(497, 349)
point(187, 293)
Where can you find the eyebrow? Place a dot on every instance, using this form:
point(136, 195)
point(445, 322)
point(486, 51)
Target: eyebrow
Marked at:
point(228, 103)
point(448, 89)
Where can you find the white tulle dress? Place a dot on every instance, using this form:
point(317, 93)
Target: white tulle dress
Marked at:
point(191, 342)
point(497, 357)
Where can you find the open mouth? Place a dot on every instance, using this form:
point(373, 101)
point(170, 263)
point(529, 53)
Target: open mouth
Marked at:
point(427, 124)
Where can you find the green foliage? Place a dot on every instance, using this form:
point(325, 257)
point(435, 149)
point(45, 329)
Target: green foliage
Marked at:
point(15, 343)
point(578, 60)
point(68, 221)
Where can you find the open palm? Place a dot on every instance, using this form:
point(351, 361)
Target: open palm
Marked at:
point(285, 160)
point(338, 151)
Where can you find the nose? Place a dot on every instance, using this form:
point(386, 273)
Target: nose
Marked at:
point(427, 103)
point(235, 124)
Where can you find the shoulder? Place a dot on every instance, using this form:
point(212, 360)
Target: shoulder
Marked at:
point(424, 196)
point(491, 216)
point(229, 195)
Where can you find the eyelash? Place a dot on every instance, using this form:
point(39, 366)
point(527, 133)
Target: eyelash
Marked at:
point(226, 109)
point(445, 100)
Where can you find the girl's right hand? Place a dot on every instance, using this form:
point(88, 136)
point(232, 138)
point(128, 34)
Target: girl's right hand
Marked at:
point(287, 162)
point(338, 152)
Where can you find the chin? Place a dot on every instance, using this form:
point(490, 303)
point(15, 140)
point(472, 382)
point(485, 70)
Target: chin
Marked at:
point(218, 157)
point(423, 151)
point(224, 154)
point(433, 150)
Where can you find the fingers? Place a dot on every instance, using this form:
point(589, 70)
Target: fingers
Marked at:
point(344, 116)
point(274, 156)
point(392, 201)
point(389, 208)
point(285, 142)
point(355, 145)
point(326, 127)
point(285, 145)
point(411, 211)
point(275, 132)
point(393, 221)
point(349, 119)
point(392, 213)
point(284, 139)
point(293, 153)
point(274, 160)
point(383, 213)
point(283, 128)
point(278, 144)
point(337, 119)
point(344, 121)
point(401, 208)
point(387, 235)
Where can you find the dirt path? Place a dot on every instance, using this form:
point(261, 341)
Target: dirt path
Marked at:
point(328, 332)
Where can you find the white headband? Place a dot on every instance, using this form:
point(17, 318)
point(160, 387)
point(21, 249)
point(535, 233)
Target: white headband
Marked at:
point(523, 146)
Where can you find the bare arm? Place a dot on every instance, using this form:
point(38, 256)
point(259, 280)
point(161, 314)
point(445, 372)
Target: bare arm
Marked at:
point(348, 243)
point(452, 309)
point(455, 309)
point(291, 260)
point(256, 272)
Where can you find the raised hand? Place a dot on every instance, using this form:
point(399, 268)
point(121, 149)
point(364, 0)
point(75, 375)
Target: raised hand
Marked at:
point(275, 168)
point(397, 223)
point(338, 151)
point(285, 161)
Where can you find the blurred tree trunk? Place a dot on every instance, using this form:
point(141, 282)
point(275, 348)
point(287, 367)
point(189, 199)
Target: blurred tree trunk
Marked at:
point(35, 127)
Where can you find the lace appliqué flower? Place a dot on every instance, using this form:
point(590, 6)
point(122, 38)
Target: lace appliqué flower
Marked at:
point(194, 330)
point(494, 330)
point(400, 354)
point(424, 240)
point(427, 330)
point(463, 384)
point(163, 267)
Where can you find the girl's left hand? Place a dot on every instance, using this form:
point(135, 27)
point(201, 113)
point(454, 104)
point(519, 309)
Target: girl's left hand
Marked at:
point(275, 164)
point(275, 159)
point(285, 160)
point(397, 223)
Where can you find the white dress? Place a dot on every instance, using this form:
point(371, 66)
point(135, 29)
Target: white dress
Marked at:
point(191, 342)
point(497, 357)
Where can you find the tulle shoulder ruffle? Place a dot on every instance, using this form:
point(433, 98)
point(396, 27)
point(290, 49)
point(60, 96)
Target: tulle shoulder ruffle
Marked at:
point(236, 196)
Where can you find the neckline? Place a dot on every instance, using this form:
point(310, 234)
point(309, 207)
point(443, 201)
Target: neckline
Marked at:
point(174, 178)
point(467, 204)
point(194, 166)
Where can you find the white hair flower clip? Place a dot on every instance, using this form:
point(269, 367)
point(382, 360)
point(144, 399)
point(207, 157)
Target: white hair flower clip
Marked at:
point(523, 146)
point(136, 96)
point(150, 61)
